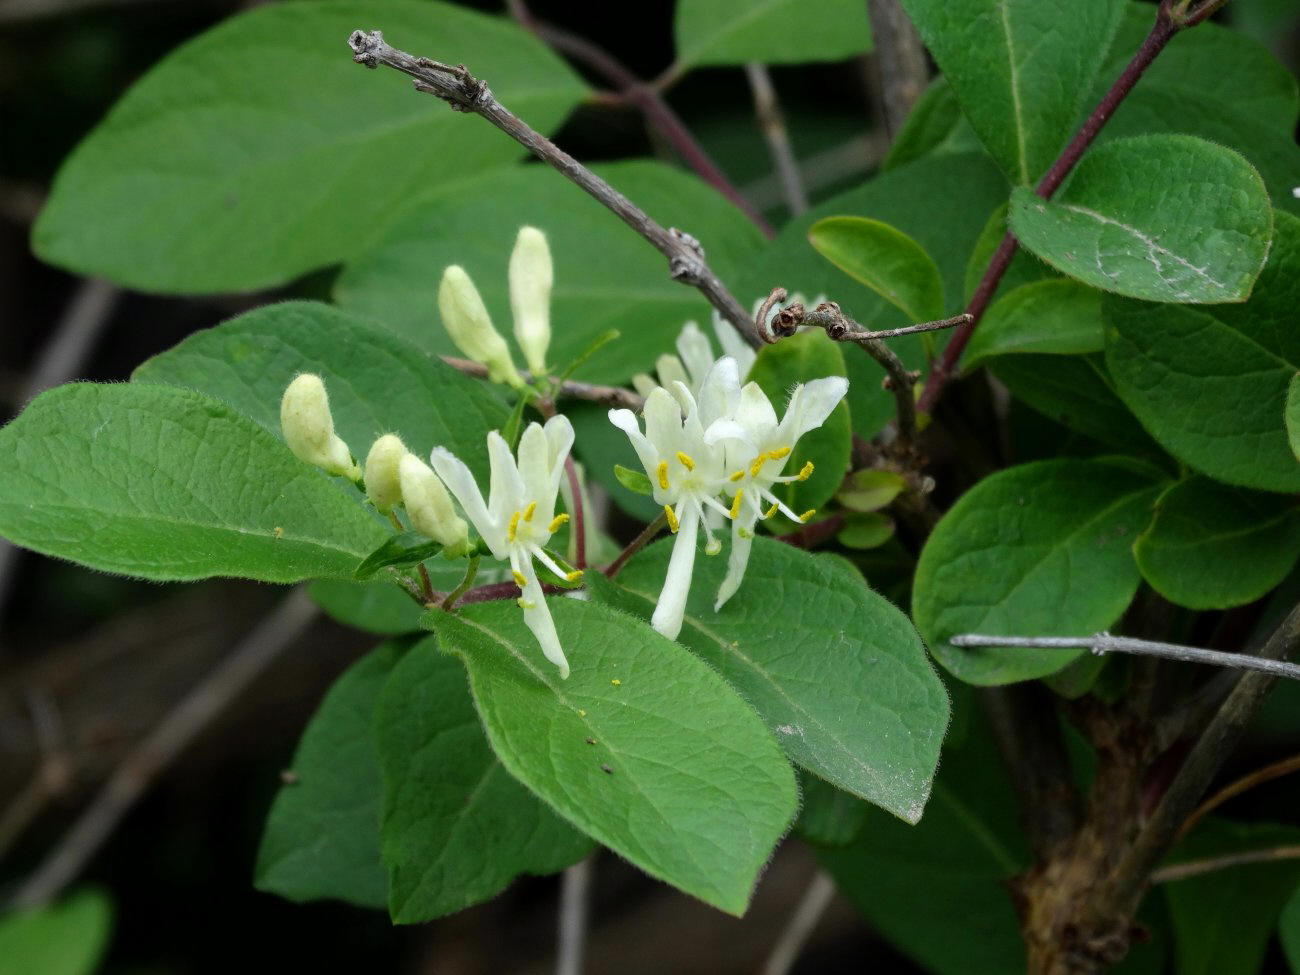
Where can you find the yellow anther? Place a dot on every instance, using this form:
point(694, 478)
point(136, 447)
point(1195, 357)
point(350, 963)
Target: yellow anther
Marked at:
point(779, 453)
point(520, 581)
point(685, 461)
point(616, 682)
point(573, 576)
point(769, 512)
point(737, 475)
point(805, 472)
point(757, 466)
point(672, 519)
point(807, 514)
point(662, 472)
point(735, 505)
point(556, 522)
point(528, 512)
point(512, 527)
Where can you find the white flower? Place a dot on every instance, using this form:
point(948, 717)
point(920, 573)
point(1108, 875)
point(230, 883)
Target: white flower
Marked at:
point(531, 277)
point(695, 358)
point(518, 518)
point(686, 472)
point(308, 428)
point(757, 449)
point(466, 320)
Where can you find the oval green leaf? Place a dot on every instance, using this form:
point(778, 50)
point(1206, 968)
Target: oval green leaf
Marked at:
point(69, 937)
point(1042, 549)
point(1162, 217)
point(258, 150)
point(885, 259)
point(680, 777)
point(1211, 384)
point(770, 31)
point(166, 483)
point(1211, 546)
point(835, 670)
point(1056, 317)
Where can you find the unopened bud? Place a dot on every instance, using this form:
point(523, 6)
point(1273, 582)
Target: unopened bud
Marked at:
point(531, 276)
point(383, 484)
point(467, 322)
point(308, 428)
point(429, 506)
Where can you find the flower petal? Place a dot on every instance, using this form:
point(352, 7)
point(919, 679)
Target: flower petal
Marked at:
point(460, 482)
point(733, 344)
point(695, 352)
point(670, 609)
point(810, 405)
point(719, 394)
point(742, 540)
point(506, 487)
point(625, 420)
point(537, 616)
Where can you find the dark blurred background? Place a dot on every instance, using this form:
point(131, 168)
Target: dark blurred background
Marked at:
point(89, 663)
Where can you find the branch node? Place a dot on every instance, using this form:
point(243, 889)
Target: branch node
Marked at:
point(774, 297)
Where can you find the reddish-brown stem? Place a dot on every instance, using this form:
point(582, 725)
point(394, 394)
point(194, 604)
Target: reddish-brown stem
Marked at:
point(579, 523)
point(1155, 41)
point(645, 98)
point(809, 536)
point(634, 546)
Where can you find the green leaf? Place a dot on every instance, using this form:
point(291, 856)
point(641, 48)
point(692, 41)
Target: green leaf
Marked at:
point(799, 359)
point(960, 921)
point(456, 829)
point(696, 792)
point(1212, 546)
point(928, 125)
point(885, 259)
point(405, 549)
point(1077, 392)
point(322, 834)
point(869, 490)
point(771, 31)
point(869, 529)
point(1288, 929)
point(605, 275)
point(634, 481)
point(1222, 921)
point(258, 150)
point(1020, 68)
point(166, 483)
point(942, 203)
point(1161, 217)
point(69, 937)
point(1292, 415)
point(835, 670)
point(829, 816)
point(1041, 549)
point(1056, 317)
point(1211, 383)
point(378, 383)
point(376, 607)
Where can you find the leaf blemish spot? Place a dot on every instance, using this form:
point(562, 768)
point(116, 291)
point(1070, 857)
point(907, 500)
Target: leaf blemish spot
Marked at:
point(616, 682)
point(606, 769)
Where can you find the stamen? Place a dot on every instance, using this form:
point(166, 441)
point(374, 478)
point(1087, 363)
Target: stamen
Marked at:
point(523, 603)
point(528, 512)
point(735, 505)
point(805, 472)
point(573, 576)
point(757, 466)
point(769, 512)
point(512, 527)
point(779, 453)
point(556, 522)
point(672, 519)
point(712, 546)
point(807, 514)
point(520, 581)
point(685, 461)
point(662, 472)
point(737, 475)
point(716, 505)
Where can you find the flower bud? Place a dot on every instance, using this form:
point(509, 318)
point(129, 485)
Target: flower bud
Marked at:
point(467, 322)
point(308, 427)
point(429, 506)
point(383, 485)
point(531, 276)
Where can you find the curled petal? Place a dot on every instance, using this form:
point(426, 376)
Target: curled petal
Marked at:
point(742, 540)
point(537, 616)
point(625, 420)
point(670, 609)
point(810, 405)
point(695, 352)
point(720, 392)
point(460, 482)
point(505, 487)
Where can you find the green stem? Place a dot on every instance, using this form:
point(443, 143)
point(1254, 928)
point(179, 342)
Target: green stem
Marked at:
point(470, 572)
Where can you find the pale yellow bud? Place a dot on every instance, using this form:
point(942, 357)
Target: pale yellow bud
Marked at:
point(531, 276)
point(429, 506)
point(383, 484)
point(308, 428)
point(466, 320)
